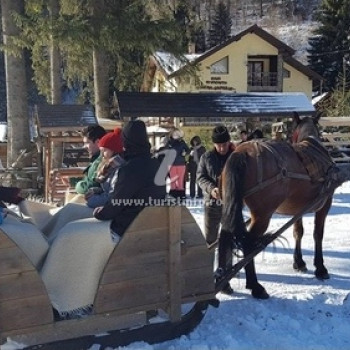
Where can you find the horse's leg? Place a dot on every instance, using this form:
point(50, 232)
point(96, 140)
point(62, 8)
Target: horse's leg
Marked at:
point(257, 228)
point(298, 232)
point(320, 218)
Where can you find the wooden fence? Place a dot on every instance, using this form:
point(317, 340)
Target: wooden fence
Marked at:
point(337, 137)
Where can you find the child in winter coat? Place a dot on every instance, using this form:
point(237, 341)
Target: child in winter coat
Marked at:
point(111, 148)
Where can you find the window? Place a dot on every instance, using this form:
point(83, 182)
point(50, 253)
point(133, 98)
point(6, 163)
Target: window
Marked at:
point(255, 73)
point(286, 73)
point(220, 67)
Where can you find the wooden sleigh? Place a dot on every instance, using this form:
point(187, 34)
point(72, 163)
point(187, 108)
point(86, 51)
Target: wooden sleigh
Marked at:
point(162, 263)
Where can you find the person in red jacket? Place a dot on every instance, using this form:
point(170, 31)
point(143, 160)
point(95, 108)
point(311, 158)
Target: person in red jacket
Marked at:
point(177, 169)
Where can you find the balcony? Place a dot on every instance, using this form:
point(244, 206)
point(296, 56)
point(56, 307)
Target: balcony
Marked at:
point(266, 82)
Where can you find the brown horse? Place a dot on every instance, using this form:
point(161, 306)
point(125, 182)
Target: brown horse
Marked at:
point(275, 177)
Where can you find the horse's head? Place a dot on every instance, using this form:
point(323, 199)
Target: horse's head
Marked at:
point(305, 127)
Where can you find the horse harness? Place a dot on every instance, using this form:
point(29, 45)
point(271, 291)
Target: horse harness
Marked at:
point(314, 157)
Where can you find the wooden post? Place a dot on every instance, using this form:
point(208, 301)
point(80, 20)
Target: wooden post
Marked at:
point(280, 72)
point(47, 165)
point(174, 263)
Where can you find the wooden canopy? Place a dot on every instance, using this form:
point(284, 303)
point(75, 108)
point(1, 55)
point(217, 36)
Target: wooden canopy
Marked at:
point(161, 104)
point(64, 117)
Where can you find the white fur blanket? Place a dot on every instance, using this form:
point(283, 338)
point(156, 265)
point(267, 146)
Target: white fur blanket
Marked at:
point(74, 265)
point(51, 219)
point(66, 214)
point(78, 254)
point(38, 213)
point(28, 237)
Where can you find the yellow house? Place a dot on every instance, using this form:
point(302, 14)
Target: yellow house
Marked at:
point(251, 61)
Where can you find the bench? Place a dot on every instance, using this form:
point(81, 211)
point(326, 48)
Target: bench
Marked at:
point(75, 156)
point(59, 183)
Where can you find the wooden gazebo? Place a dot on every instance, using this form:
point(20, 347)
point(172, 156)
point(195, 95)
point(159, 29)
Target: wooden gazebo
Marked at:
point(60, 124)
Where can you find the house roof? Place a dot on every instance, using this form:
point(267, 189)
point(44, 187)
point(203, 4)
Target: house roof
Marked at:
point(162, 104)
point(302, 68)
point(64, 117)
point(254, 29)
point(172, 66)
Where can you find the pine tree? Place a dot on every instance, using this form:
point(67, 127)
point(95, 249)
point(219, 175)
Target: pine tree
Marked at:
point(199, 40)
point(182, 18)
point(221, 26)
point(16, 86)
point(338, 105)
point(331, 40)
point(126, 32)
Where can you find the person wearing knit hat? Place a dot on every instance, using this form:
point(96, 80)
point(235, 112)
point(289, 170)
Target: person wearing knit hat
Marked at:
point(220, 134)
point(111, 149)
point(137, 182)
point(135, 138)
point(209, 171)
point(112, 141)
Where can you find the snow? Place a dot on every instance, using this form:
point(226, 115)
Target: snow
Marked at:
point(296, 36)
point(170, 63)
point(319, 98)
point(301, 313)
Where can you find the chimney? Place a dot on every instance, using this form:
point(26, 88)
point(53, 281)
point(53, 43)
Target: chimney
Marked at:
point(191, 48)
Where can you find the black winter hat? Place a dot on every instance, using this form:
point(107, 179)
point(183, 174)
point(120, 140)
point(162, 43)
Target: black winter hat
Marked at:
point(135, 137)
point(220, 134)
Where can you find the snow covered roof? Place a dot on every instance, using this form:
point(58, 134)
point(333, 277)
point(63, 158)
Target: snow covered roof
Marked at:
point(171, 64)
point(162, 104)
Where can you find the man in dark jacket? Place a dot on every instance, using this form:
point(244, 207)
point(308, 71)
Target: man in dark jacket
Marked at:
point(209, 171)
point(135, 185)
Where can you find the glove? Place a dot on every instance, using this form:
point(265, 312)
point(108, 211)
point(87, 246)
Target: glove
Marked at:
point(10, 195)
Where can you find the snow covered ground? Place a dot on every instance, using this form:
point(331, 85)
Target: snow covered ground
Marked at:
point(301, 313)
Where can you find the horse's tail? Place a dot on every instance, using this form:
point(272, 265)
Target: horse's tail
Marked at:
point(233, 224)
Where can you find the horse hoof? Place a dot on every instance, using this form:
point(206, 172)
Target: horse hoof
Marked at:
point(322, 275)
point(301, 268)
point(259, 292)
